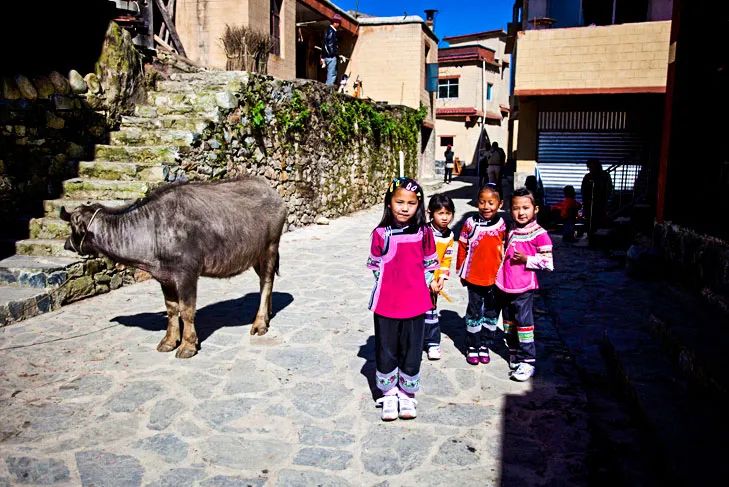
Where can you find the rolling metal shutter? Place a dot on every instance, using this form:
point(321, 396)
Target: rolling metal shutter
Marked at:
point(567, 139)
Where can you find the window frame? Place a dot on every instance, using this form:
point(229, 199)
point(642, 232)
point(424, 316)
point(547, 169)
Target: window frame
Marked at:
point(275, 28)
point(450, 85)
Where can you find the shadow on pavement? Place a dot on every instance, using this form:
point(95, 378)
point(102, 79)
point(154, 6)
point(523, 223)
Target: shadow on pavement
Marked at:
point(234, 312)
point(367, 352)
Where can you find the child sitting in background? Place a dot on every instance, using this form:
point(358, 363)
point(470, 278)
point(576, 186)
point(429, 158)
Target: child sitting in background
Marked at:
point(566, 212)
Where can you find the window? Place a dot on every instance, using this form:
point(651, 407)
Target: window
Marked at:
point(446, 140)
point(276, 27)
point(448, 88)
point(489, 91)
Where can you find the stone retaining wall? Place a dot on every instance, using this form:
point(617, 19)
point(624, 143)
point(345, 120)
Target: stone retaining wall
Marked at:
point(695, 259)
point(328, 154)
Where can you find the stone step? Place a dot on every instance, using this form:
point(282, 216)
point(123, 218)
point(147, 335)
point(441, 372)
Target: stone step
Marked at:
point(52, 208)
point(36, 272)
point(211, 76)
point(104, 189)
point(139, 136)
point(121, 171)
point(43, 247)
point(205, 101)
point(175, 122)
point(690, 428)
point(149, 111)
point(150, 154)
point(20, 303)
point(197, 85)
point(49, 227)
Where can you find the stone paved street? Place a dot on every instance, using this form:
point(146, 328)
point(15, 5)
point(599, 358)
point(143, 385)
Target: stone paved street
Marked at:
point(87, 400)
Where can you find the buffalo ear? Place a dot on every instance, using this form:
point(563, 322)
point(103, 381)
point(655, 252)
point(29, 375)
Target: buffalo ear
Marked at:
point(65, 216)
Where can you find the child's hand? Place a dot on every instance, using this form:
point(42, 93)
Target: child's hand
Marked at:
point(436, 285)
point(518, 258)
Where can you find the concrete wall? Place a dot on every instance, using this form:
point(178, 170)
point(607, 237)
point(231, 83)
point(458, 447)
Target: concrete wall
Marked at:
point(625, 58)
point(201, 23)
point(388, 60)
point(465, 139)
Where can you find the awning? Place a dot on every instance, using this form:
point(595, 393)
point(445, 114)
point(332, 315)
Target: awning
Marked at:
point(458, 112)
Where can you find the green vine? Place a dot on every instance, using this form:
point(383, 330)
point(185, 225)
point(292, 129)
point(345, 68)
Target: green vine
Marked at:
point(293, 118)
point(258, 117)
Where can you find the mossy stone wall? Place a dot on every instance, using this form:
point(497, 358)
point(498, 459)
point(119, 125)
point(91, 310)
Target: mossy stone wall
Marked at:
point(328, 154)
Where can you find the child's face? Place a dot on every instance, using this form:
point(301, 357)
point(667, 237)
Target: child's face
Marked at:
point(442, 218)
point(488, 204)
point(403, 205)
point(523, 210)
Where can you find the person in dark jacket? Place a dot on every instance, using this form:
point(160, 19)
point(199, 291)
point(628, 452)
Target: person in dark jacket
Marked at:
point(448, 174)
point(596, 188)
point(330, 49)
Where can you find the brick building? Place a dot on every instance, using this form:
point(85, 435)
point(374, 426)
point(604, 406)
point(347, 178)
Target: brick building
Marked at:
point(472, 109)
point(590, 79)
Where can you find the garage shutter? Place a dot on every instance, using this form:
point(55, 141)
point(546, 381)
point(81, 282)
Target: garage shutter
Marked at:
point(568, 139)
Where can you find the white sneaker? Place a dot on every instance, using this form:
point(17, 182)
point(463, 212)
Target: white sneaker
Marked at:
point(389, 406)
point(523, 372)
point(513, 364)
point(407, 407)
point(434, 352)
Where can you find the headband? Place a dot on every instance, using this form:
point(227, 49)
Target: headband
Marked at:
point(407, 184)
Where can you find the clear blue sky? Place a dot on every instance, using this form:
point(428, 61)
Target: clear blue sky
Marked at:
point(454, 17)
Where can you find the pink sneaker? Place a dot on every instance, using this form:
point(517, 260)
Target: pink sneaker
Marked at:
point(483, 355)
point(472, 356)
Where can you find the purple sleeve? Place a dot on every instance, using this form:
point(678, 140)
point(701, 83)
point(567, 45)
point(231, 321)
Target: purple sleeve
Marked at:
point(376, 250)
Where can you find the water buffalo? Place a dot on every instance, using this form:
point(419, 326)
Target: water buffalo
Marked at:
point(182, 231)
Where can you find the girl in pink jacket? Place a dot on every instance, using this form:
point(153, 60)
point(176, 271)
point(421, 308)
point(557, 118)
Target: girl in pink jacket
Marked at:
point(528, 249)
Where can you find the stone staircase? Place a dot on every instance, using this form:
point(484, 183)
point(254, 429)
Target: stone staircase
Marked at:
point(142, 155)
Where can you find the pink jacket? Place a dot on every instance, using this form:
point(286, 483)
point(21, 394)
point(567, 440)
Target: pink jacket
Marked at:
point(534, 242)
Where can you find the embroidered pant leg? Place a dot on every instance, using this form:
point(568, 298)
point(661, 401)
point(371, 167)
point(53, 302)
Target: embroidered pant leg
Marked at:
point(523, 308)
point(432, 325)
point(411, 353)
point(510, 335)
point(386, 351)
point(481, 316)
point(473, 317)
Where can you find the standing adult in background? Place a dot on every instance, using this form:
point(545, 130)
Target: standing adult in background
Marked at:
point(330, 49)
point(496, 160)
point(448, 174)
point(596, 188)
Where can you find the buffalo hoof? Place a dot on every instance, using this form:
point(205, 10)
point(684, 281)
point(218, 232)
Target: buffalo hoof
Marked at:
point(259, 329)
point(165, 346)
point(186, 351)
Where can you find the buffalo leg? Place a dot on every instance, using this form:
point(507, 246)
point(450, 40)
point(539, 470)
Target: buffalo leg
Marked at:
point(172, 337)
point(188, 297)
point(266, 270)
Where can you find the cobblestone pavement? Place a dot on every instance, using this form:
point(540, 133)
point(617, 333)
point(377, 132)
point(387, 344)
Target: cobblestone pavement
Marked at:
point(87, 400)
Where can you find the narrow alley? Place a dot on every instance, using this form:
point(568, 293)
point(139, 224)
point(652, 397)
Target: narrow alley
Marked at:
point(87, 399)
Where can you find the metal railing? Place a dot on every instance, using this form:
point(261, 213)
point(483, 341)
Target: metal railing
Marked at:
point(629, 186)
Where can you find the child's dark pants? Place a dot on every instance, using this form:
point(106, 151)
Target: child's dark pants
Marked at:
point(398, 352)
point(481, 316)
point(432, 324)
point(519, 326)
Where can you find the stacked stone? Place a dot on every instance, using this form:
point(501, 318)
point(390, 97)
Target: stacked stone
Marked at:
point(315, 175)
